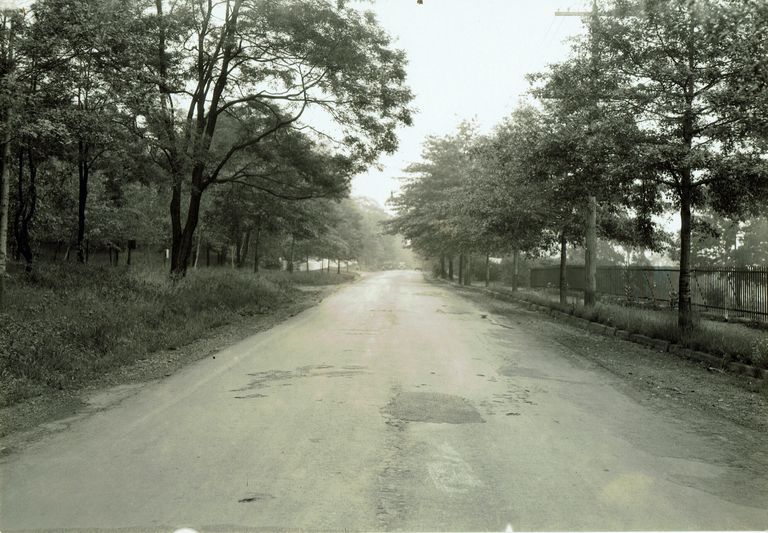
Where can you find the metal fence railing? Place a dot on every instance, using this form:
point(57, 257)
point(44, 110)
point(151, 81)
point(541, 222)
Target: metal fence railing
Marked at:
point(724, 291)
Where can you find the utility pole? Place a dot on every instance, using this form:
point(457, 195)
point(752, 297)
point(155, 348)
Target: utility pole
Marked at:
point(590, 215)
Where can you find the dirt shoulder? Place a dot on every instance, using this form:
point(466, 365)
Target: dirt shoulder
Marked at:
point(662, 380)
point(33, 418)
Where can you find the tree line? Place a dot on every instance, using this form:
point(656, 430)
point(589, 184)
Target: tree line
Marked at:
point(125, 120)
point(662, 105)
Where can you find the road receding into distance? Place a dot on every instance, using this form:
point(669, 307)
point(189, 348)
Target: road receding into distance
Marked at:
point(395, 404)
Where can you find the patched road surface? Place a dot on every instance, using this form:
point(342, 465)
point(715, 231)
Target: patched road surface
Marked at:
point(393, 405)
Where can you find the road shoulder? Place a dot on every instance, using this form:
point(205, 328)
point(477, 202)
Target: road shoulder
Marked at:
point(663, 380)
point(34, 418)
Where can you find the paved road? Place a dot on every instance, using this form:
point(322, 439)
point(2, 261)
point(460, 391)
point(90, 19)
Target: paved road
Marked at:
point(393, 405)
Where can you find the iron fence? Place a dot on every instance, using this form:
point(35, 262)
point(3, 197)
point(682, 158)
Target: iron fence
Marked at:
point(728, 292)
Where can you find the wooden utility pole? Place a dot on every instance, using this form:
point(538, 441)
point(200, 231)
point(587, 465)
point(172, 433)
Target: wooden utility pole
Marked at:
point(590, 215)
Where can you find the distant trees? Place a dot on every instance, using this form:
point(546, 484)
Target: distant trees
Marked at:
point(260, 67)
point(661, 103)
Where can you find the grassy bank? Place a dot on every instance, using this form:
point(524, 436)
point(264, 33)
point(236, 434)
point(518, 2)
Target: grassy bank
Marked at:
point(736, 341)
point(72, 323)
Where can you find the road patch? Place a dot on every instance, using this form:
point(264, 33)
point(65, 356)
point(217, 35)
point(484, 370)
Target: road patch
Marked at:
point(433, 407)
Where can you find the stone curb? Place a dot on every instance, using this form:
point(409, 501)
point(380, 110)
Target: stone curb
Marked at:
point(656, 344)
point(650, 342)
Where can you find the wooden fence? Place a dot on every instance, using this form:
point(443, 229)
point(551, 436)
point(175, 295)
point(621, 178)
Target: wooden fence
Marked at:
point(727, 292)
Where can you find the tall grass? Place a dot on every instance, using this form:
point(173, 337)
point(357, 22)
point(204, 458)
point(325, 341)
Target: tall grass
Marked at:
point(71, 322)
point(736, 341)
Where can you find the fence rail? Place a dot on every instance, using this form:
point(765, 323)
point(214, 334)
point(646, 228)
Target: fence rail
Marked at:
point(727, 292)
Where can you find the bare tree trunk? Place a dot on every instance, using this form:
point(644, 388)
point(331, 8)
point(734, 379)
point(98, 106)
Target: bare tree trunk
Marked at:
point(461, 269)
point(5, 160)
point(290, 263)
point(199, 242)
point(468, 271)
point(684, 317)
point(5, 178)
point(563, 260)
point(256, 258)
point(590, 254)
point(184, 246)
point(487, 269)
point(338, 266)
point(27, 202)
point(246, 246)
point(83, 171)
point(450, 267)
point(442, 266)
point(515, 269)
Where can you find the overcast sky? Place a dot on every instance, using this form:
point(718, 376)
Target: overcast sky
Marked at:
point(467, 59)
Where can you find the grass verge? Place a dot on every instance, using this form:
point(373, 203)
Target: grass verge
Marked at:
point(70, 323)
point(735, 341)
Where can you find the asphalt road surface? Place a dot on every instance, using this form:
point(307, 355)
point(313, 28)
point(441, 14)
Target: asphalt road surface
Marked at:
point(393, 405)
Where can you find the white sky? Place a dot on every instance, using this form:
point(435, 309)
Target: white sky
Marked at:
point(467, 59)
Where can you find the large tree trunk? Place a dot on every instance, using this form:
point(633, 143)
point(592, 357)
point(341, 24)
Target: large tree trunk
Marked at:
point(184, 244)
point(487, 269)
point(83, 171)
point(684, 317)
point(590, 254)
point(442, 266)
point(563, 260)
point(26, 203)
point(338, 266)
point(450, 267)
point(461, 269)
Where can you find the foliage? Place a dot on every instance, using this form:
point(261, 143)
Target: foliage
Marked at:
point(96, 319)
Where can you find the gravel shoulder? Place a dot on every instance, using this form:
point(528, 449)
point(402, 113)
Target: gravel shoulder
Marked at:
point(662, 380)
point(36, 417)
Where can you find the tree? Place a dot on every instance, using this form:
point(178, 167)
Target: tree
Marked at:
point(8, 101)
point(693, 74)
point(590, 149)
point(85, 51)
point(259, 63)
point(427, 215)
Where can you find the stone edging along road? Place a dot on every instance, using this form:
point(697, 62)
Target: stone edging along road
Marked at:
point(609, 331)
